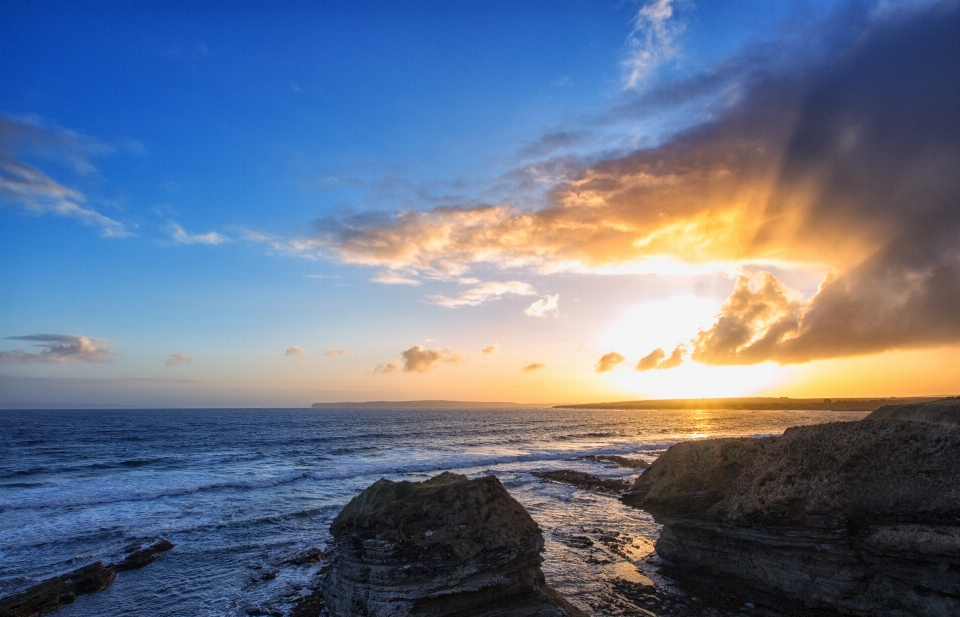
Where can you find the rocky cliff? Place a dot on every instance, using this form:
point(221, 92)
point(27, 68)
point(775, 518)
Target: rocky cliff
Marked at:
point(446, 546)
point(857, 518)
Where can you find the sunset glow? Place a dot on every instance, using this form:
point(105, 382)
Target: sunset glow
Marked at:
point(382, 205)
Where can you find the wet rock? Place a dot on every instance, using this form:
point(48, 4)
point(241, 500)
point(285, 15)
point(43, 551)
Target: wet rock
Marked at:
point(52, 593)
point(858, 518)
point(446, 546)
point(620, 461)
point(584, 480)
point(140, 555)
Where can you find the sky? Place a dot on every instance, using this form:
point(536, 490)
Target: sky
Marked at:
point(280, 203)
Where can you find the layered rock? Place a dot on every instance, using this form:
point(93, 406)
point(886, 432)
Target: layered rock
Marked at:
point(446, 546)
point(859, 518)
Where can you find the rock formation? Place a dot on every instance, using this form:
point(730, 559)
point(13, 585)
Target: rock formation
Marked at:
point(446, 546)
point(857, 518)
point(584, 480)
point(54, 592)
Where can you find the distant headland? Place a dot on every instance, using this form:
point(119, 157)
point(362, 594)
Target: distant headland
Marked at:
point(432, 404)
point(758, 403)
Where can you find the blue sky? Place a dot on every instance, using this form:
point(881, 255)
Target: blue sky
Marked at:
point(215, 198)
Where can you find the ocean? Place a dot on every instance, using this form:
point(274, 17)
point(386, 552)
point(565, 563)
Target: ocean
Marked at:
point(241, 492)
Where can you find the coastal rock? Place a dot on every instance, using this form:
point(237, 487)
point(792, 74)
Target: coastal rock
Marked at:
point(52, 593)
point(584, 480)
point(445, 546)
point(857, 518)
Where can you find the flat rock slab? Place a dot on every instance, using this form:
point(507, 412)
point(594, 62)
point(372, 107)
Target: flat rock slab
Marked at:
point(54, 592)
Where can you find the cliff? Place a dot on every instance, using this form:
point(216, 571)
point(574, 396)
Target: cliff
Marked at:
point(859, 518)
point(446, 546)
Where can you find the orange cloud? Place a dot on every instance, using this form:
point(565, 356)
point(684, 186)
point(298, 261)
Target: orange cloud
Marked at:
point(533, 366)
point(609, 361)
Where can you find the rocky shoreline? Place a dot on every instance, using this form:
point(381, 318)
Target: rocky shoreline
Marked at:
point(852, 518)
point(846, 518)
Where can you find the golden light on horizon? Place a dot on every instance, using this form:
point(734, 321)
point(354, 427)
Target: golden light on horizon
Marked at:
point(663, 325)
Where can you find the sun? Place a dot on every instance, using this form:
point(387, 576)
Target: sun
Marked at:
point(664, 324)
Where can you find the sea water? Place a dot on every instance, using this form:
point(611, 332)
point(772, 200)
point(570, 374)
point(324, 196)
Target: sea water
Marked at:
point(240, 492)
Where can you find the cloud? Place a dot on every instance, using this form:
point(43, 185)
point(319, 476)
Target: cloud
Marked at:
point(386, 367)
point(658, 359)
point(334, 351)
point(609, 361)
point(182, 237)
point(848, 159)
point(296, 351)
point(483, 293)
point(542, 307)
point(651, 360)
point(491, 349)
point(57, 349)
point(176, 359)
point(420, 360)
point(25, 186)
point(393, 278)
point(533, 366)
point(652, 41)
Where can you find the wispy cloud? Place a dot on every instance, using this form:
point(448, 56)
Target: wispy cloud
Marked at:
point(296, 351)
point(533, 366)
point(394, 278)
point(176, 359)
point(180, 236)
point(58, 349)
point(334, 351)
point(491, 349)
point(543, 307)
point(608, 362)
point(386, 368)
point(27, 187)
point(484, 293)
point(652, 41)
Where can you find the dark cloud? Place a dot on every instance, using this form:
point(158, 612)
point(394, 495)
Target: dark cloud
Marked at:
point(420, 360)
point(58, 349)
point(608, 362)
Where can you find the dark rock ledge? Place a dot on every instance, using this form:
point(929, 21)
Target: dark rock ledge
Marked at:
point(584, 480)
point(853, 518)
point(446, 546)
point(52, 593)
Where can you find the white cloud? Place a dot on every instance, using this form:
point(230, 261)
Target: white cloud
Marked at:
point(543, 307)
point(176, 359)
point(393, 278)
point(652, 40)
point(58, 349)
point(182, 237)
point(295, 351)
point(27, 187)
point(485, 292)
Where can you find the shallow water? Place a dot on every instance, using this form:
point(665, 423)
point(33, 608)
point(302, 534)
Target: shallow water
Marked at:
point(238, 491)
